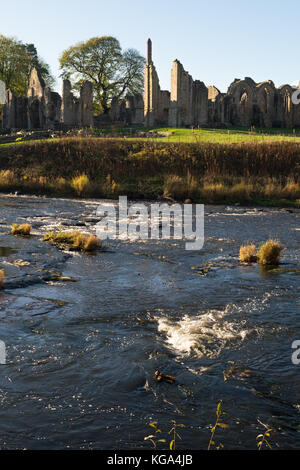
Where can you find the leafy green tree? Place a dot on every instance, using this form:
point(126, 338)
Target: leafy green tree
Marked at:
point(14, 65)
point(16, 62)
point(112, 72)
point(37, 62)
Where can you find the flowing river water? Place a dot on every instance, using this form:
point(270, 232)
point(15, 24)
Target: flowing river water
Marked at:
point(82, 349)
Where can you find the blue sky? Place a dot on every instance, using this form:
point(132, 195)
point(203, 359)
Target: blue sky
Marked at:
point(216, 41)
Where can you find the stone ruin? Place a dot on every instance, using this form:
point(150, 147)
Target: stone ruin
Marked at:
point(129, 111)
point(189, 104)
point(192, 104)
point(45, 109)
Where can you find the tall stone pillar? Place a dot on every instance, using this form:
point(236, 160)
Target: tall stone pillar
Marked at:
point(67, 111)
point(86, 104)
point(149, 52)
point(9, 121)
point(152, 89)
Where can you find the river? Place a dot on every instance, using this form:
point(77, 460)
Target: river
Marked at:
point(82, 349)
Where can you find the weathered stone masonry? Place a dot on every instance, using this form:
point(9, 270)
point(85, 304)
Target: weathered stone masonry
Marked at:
point(45, 109)
point(189, 99)
point(246, 103)
point(189, 104)
point(156, 101)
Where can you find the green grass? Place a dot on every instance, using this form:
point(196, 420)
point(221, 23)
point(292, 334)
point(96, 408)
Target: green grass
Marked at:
point(234, 135)
point(224, 136)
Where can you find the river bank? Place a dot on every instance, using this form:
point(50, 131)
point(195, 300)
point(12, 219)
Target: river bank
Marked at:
point(264, 173)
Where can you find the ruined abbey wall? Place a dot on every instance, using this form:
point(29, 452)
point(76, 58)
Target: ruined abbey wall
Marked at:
point(189, 104)
point(156, 101)
point(45, 109)
point(247, 103)
point(192, 104)
point(70, 106)
point(189, 99)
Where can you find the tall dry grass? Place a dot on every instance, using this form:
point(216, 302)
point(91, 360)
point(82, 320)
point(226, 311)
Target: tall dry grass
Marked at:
point(76, 240)
point(181, 188)
point(247, 254)
point(88, 166)
point(80, 184)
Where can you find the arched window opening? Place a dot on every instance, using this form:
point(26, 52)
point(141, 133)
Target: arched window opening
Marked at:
point(244, 97)
point(287, 102)
point(266, 101)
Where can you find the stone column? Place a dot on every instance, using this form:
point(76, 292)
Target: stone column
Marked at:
point(86, 104)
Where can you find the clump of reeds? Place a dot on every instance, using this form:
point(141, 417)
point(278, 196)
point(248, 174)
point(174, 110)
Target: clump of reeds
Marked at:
point(2, 277)
point(180, 188)
point(80, 183)
point(247, 254)
point(7, 178)
point(24, 230)
point(213, 192)
point(269, 253)
point(76, 240)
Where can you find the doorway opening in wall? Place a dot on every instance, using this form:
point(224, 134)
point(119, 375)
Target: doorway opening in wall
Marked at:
point(34, 114)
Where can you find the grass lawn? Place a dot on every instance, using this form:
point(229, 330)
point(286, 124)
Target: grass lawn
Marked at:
point(220, 136)
point(234, 135)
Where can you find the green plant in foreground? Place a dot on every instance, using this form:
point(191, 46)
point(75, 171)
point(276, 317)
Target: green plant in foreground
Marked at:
point(24, 229)
point(173, 431)
point(218, 423)
point(269, 253)
point(262, 438)
point(154, 437)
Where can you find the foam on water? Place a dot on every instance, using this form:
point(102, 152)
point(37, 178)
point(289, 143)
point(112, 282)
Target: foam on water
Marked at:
point(203, 335)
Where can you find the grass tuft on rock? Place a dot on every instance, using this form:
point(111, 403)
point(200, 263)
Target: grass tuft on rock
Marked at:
point(247, 254)
point(269, 253)
point(24, 230)
point(75, 240)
